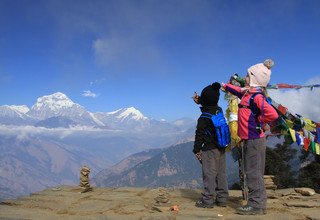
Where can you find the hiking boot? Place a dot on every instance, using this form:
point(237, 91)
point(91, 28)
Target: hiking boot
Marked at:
point(249, 210)
point(221, 204)
point(202, 204)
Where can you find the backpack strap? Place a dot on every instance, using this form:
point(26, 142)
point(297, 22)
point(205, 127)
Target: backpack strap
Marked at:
point(209, 116)
point(206, 115)
point(254, 109)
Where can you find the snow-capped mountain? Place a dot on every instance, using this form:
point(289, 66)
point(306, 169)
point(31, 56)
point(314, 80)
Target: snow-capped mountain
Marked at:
point(123, 115)
point(15, 115)
point(128, 118)
point(58, 104)
point(128, 114)
point(131, 118)
point(57, 110)
point(20, 108)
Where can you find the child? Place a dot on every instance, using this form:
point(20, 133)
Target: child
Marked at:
point(206, 149)
point(251, 130)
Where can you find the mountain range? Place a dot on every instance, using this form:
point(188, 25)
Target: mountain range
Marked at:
point(57, 110)
point(46, 145)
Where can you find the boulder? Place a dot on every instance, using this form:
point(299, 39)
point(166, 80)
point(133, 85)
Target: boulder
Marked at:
point(305, 191)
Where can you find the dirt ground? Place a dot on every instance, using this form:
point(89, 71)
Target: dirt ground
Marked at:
point(67, 202)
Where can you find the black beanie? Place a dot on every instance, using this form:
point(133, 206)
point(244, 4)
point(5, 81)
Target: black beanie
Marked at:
point(210, 95)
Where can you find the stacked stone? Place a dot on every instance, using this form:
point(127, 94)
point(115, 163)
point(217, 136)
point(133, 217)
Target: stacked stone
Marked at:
point(269, 183)
point(270, 186)
point(84, 179)
point(162, 201)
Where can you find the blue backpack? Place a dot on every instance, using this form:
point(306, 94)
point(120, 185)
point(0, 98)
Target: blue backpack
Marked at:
point(221, 126)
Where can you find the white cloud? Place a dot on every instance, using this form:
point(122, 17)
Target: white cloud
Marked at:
point(97, 81)
point(22, 132)
point(88, 93)
point(132, 33)
point(126, 53)
point(305, 102)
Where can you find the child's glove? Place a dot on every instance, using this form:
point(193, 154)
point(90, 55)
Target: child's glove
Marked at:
point(223, 89)
point(265, 127)
point(244, 90)
point(199, 157)
point(196, 98)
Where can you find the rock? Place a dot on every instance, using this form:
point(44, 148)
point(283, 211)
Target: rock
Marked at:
point(273, 201)
point(285, 192)
point(9, 202)
point(305, 191)
point(271, 187)
point(293, 196)
point(161, 208)
point(268, 182)
point(313, 215)
point(271, 194)
point(84, 179)
point(87, 189)
point(303, 204)
point(163, 198)
point(268, 177)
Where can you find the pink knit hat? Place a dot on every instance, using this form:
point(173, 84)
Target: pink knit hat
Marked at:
point(260, 73)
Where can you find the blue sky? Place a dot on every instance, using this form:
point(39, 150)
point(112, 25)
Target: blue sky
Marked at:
point(153, 55)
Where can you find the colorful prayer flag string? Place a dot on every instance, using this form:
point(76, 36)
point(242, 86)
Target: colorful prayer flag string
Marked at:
point(303, 131)
point(288, 86)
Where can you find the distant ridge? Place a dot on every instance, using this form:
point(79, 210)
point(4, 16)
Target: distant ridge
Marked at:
point(175, 166)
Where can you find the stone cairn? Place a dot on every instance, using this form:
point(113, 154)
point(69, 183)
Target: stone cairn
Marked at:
point(162, 201)
point(84, 179)
point(270, 186)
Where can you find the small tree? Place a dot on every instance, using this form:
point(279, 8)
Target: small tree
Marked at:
point(309, 175)
point(277, 164)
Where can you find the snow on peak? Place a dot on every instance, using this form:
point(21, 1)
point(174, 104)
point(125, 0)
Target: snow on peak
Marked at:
point(133, 112)
point(130, 113)
point(19, 108)
point(54, 101)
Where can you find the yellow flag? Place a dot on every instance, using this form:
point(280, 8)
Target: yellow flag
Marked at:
point(317, 149)
point(293, 134)
point(310, 126)
point(289, 123)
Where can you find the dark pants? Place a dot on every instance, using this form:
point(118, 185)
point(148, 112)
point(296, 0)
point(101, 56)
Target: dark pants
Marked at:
point(254, 165)
point(214, 176)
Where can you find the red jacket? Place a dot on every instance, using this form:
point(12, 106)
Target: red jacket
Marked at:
point(246, 121)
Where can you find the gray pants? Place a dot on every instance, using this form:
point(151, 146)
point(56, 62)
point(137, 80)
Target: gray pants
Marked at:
point(254, 165)
point(214, 176)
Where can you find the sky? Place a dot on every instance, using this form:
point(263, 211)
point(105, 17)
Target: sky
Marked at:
point(154, 54)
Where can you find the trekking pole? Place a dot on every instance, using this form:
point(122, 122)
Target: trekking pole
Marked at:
point(244, 182)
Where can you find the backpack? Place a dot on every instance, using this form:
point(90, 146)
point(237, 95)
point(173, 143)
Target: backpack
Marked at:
point(221, 127)
point(255, 110)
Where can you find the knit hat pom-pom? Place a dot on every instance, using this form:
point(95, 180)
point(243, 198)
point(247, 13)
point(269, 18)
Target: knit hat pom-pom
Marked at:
point(268, 63)
point(216, 86)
